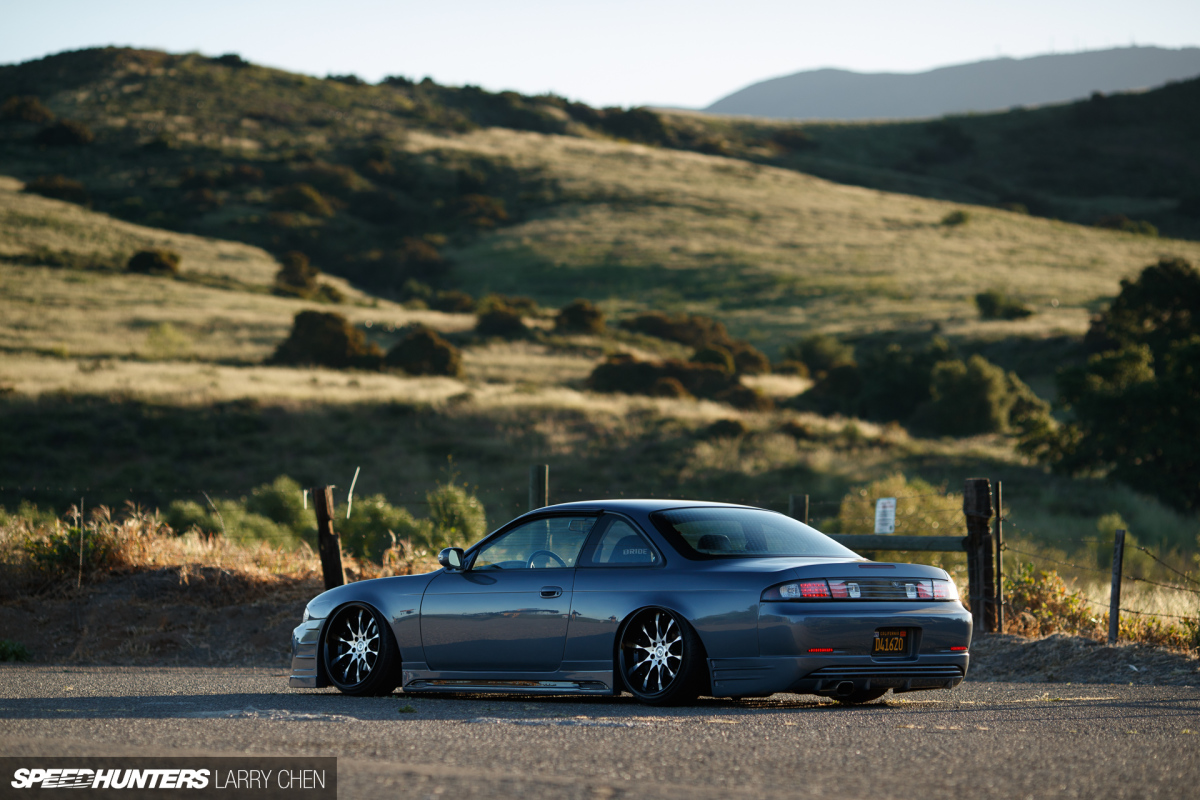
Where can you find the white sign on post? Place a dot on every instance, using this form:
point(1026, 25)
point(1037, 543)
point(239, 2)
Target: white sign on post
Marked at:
point(885, 515)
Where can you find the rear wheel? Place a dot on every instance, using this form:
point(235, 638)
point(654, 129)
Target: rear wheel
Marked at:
point(360, 653)
point(860, 696)
point(661, 658)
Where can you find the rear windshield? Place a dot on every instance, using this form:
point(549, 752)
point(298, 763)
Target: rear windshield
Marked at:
point(743, 533)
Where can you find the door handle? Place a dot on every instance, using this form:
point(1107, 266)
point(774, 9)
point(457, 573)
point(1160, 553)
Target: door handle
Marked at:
point(551, 591)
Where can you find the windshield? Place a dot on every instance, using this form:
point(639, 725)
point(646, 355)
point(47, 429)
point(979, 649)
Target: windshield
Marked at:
point(743, 533)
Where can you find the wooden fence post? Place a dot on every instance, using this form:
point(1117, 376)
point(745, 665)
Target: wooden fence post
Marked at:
point(539, 486)
point(327, 541)
point(999, 561)
point(1114, 598)
point(981, 572)
point(798, 507)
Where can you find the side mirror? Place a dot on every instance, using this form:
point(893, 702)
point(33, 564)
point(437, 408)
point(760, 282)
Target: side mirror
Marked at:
point(451, 558)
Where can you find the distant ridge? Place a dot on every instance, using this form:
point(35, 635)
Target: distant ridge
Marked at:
point(997, 84)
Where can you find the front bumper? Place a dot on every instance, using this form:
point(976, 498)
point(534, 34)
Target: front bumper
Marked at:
point(306, 671)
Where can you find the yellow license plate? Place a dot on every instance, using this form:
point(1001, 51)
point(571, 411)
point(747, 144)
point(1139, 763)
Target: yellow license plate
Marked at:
point(890, 643)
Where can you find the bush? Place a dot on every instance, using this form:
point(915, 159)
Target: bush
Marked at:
point(1120, 222)
point(820, 353)
point(375, 525)
point(725, 429)
point(482, 211)
point(956, 218)
point(25, 108)
point(231, 60)
point(65, 133)
point(281, 502)
point(296, 276)
point(669, 388)
point(457, 515)
point(230, 519)
point(154, 262)
point(745, 398)
point(59, 188)
point(13, 651)
point(793, 139)
point(791, 367)
point(580, 316)
point(326, 339)
point(747, 359)
point(453, 301)
point(624, 373)
point(968, 398)
point(995, 304)
point(502, 321)
point(693, 330)
point(717, 356)
point(424, 352)
point(303, 198)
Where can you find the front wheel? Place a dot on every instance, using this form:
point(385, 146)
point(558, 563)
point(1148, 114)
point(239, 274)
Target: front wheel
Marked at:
point(661, 658)
point(360, 653)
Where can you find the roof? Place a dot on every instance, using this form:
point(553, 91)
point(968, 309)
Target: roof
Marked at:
point(644, 506)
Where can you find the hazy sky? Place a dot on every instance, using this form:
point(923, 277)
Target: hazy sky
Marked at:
point(618, 52)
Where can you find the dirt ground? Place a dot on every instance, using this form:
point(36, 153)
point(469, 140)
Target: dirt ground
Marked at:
point(208, 616)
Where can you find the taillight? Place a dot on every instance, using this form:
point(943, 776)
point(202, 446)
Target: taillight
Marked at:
point(944, 590)
point(958, 648)
point(820, 649)
point(798, 590)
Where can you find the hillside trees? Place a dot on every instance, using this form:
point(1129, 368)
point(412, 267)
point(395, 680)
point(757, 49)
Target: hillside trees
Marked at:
point(1135, 405)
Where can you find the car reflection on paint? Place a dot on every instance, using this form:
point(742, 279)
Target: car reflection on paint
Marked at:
point(668, 600)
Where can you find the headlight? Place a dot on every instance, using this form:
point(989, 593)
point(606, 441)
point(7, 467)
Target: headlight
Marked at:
point(304, 619)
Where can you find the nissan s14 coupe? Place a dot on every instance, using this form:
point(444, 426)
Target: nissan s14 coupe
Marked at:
point(668, 600)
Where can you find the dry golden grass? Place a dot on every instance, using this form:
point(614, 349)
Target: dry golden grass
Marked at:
point(778, 252)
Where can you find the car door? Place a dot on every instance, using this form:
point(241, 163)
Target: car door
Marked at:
point(509, 610)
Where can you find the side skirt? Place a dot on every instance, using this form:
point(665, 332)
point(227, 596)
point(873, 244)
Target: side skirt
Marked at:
point(417, 677)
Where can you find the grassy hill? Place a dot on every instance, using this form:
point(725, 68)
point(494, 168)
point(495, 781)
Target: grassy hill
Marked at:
point(124, 386)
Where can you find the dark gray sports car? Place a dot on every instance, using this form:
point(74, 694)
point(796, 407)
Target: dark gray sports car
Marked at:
point(668, 600)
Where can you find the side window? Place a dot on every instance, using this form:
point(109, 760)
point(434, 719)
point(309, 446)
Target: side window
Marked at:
point(622, 545)
point(547, 543)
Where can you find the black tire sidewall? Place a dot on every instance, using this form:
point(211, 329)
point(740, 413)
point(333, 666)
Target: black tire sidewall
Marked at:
point(685, 687)
point(382, 678)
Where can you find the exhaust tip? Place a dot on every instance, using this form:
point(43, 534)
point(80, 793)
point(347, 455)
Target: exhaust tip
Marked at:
point(844, 689)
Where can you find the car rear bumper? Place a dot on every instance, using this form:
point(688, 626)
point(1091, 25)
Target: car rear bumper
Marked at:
point(766, 675)
point(306, 672)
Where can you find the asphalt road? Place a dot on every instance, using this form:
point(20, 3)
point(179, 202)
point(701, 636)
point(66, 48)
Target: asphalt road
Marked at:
point(981, 740)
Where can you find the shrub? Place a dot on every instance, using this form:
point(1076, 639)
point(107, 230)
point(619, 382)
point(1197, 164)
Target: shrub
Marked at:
point(59, 188)
point(525, 306)
point(13, 651)
point(231, 520)
point(281, 502)
point(326, 339)
point(375, 525)
point(793, 139)
point(231, 60)
point(791, 367)
point(25, 108)
point(1120, 222)
point(303, 198)
point(624, 373)
point(457, 515)
point(968, 398)
point(670, 388)
point(154, 262)
point(693, 330)
point(745, 398)
point(956, 218)
point(482, 211)
point(725, 429)
point(296, 276)
point(424, 352)
point(501, 321)
point(65, 133)
point(820, 353)
point(717, 356)
point(1040, 603)
point(747, 359)
point(995, 304)
point(580, 316)
point(453, 301)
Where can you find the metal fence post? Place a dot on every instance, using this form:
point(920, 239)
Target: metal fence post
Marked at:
point(539, 486)
point(1114, 598)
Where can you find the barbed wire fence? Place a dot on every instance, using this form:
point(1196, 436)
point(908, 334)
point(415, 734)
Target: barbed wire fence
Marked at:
point(954, 518)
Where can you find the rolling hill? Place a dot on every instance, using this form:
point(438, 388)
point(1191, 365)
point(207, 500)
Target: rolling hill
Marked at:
point(993, 85)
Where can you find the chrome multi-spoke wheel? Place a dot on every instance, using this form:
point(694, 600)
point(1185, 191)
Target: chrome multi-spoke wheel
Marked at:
point(359, 652)
point(659, 657)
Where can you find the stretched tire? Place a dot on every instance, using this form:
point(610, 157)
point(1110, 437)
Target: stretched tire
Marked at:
point(860, 696)
point(661, 659)
point(360, 653)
